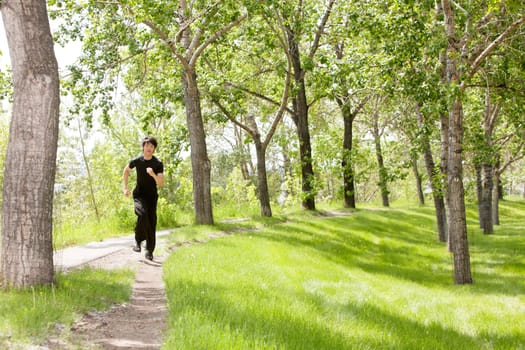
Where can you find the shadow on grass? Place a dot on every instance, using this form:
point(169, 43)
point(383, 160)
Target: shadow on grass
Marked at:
point(392, 242)
point(278, 328)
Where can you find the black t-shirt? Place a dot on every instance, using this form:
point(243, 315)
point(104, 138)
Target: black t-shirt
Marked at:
point(146, 185)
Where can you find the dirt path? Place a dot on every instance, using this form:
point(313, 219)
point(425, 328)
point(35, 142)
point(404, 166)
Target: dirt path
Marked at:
point(139, 324)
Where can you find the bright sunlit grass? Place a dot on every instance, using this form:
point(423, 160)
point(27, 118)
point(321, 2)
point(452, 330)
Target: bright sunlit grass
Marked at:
point(374, 279)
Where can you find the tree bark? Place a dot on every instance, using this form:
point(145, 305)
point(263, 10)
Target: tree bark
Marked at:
point(300, 118)
point(488, 166)
point(347, 163)
point(200, 162)
point(457, 213)
point(458, 222)
point(417, 177)
point(495, 198)
point(486, 199)
point(479, 190)
point(30, 165)
point(262, 182)
point(435, 181)
point(245, 163)
point(383, 172)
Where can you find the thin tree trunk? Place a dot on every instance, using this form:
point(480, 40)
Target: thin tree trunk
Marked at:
point(435, 182)
point(262, 182)
point(88, 170)
point(419, 186)
point(383, 173)
point(496, 196)
point(479, 191)
point(244, 154)
point(30, 164)
point(488, 167)
point(300, 118)
point(347, 163)
point(486, 198)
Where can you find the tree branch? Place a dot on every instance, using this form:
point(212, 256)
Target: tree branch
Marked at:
point(282, 107)
point(214, 37)
point(258, 95)
point(320, 29)
point(488, 50)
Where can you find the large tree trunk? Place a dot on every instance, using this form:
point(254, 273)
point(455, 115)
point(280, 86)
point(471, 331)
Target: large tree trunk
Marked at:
point(30, 165)
point(200, 162)
point(300, 118)
point(435, 182)
point(458, 221)
point(457, 213)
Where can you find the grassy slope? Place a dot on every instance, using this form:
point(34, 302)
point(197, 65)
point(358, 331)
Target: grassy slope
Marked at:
point(376, 279)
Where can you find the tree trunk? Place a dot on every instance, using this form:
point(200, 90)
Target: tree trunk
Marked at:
point(244, 153)
point(496, 195)
point(487, 165)
point(419, 186)
point(88, 170)
point(435, 182)
point(30, 165)
point(347, 164)
point(486, 200)
point(288, 190)
point(458, 222)
point(457, 213)
point(383, 173)
point(200, 162)
point(262, 182)
point(479, 191)
point(300, 118)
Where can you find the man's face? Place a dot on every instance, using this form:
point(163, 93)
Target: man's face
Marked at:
point(148, 149)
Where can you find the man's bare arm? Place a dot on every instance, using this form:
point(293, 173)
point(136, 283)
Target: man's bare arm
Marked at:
point(125, 176)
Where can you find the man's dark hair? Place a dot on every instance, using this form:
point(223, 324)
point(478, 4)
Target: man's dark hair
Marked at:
point(151, 140)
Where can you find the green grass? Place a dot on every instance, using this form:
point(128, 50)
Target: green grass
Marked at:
point(29, 316)
point(375, 279)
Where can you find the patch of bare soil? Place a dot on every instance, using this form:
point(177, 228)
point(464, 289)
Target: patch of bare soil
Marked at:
point(139, 324)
